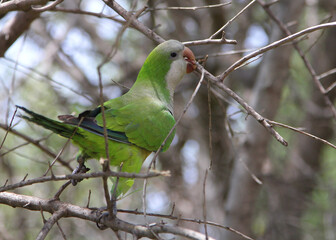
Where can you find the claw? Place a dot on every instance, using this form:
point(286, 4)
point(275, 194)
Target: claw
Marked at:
point(81, 168)
point(99, 225)
point(107, 215)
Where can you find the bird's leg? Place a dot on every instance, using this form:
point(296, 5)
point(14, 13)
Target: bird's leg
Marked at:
point(81, 168)
point(114, 194)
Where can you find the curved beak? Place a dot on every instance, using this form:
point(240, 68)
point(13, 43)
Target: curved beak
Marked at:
point(190, 58)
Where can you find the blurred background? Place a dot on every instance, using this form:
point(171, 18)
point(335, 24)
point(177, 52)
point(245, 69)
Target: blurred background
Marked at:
point(255, 185)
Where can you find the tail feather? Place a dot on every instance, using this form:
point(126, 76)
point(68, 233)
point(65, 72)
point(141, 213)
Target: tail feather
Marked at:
point(60, 128)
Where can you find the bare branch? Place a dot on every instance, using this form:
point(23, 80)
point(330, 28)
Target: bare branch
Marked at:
point(190, 8)
point(14, 28)
point(301, 53)
point(19, 5)
point(274, 45)
point(80, 176)
point(223, 40)
point(37, 144)
point(79, 11)
point(8, 129)
point(50, 223)
point(47, 7)
point(179, 218)
point(244, 104)
point(302, 132)
point(134, 22)
point(326, 74)
point(231, 20)
point(37, 204)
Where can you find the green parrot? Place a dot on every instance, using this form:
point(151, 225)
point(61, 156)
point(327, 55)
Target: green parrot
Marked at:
point(137, 122)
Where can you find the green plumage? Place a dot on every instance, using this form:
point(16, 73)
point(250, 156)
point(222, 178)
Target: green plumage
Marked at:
point(137, 122)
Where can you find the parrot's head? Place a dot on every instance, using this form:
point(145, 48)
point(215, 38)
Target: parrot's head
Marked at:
point(169, 62)
point(164, 68)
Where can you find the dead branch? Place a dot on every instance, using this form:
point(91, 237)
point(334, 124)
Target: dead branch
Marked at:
point(37, 144)
point(14, 28)
point(68, 210)
point(80, 176)
point(305, 60)
point(273, 45)
point(20, 5)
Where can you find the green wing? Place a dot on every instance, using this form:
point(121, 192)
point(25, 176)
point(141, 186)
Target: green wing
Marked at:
point(146, 123)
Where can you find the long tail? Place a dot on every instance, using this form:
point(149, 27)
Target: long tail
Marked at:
point(60, 128)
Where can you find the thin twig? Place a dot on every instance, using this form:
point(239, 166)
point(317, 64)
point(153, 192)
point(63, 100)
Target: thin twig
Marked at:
point(39, 204)
point(62, 188)
point(326, 74)
point(193, 220)
point(47, 7)
point(50, 222)
point(63, 148)
point(210, 41)
point(8, 128)
point(133, 21)
point(302, 132)
point(309, 67)
point(274, 45)
point(37, 144)
point(244, 104)
point(80, 11)
point(45, 77)
point(210, 124)
point(231, 20)
point(204, 205)
point(194, 8)
point(80, 176)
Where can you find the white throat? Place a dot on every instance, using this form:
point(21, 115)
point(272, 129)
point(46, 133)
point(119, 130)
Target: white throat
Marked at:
point(175, 75)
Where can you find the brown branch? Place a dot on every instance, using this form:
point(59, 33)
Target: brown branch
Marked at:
point(316, 78)
point(80, 176)
point(63, 148)
point(231, 20)
point(14, 28)
point(245, 105)
point(134, 22)
point(69, 210)
point(204, 205)
point(47, 7)
point(50, 223)
point(302, 132)
point(194, 8)
point(223, 40)
point(274, 45)
point(19, 5)
point(83, 12)
point(37, 144)
point(179, 218)
point(8, 128)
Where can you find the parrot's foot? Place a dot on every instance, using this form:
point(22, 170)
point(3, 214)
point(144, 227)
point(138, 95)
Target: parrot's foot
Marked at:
point(108, 216)
point(81, 168)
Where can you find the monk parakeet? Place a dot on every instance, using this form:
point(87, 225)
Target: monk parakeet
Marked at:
point(137, 122)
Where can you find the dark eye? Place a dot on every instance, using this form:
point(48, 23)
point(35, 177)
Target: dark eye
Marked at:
point(173, 54)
